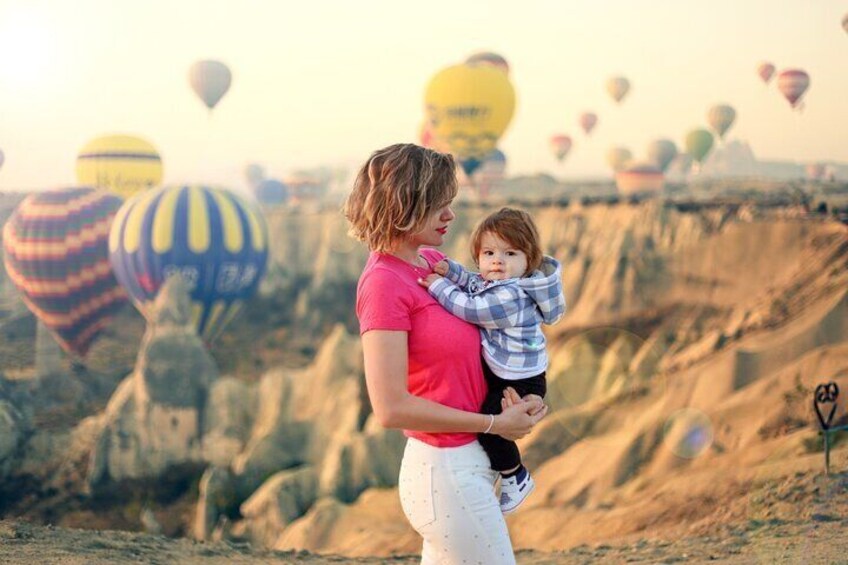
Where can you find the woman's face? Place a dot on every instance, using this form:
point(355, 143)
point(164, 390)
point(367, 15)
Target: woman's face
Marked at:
point(435, 228)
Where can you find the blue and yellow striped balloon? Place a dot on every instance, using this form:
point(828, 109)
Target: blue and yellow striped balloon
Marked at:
point(215, 240)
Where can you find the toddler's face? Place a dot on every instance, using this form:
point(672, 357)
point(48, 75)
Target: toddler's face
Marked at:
point(499, 260)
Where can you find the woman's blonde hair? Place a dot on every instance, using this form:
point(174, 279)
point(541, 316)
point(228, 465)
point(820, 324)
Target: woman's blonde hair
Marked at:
point(515, 227)
point(395, 191)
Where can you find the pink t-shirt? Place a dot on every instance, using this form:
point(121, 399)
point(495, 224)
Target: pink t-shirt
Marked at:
point(444, 351)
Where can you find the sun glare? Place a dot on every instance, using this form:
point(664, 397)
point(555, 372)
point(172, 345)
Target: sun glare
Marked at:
point(25, 50)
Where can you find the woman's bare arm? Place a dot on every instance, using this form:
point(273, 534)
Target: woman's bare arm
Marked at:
point(386, 377)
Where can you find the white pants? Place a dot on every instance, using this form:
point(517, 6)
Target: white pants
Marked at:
point(447, 494)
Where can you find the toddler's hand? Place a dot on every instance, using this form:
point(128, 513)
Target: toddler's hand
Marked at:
point(428, 280)
point(441, 267)
point(510, 398)
point(534, 398)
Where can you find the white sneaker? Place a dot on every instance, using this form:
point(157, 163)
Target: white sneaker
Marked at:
point(514, 492)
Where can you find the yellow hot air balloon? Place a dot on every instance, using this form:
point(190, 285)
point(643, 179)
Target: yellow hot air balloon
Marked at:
point(122, 164)
point(468, 108)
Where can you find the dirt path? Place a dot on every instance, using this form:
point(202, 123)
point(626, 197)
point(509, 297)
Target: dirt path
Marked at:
point(820, 541)
point(800, 518)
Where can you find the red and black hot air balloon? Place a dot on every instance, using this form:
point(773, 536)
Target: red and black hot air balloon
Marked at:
point(56, 253)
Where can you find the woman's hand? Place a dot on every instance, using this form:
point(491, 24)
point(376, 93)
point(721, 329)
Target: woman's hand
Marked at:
point(511, 397)
point(518, 416)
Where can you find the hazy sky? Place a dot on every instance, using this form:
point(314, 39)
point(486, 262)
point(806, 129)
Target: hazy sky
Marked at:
point(320, 82)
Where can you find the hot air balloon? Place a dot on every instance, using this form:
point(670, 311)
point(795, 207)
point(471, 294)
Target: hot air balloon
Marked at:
point(428, 140)
point(2, 158)
point(721, 117)
point(493, 168)
point(815, 171)
point(560, 145)
point(214, 240)
point(845, 23)
point(588, 121)
point(488, 58)
point(271, 192)
point(793, 83)
point(639, 178)
point(468, 108)
point(254, 173)
point(425, 135)
point(680, 165)
point(618, 87)
point(698, 144)
point(210, 80)
point(661, 152)
point(765, 70)
point(617, 158)
point(56, 254)
point(123, 164)
point(490, 172)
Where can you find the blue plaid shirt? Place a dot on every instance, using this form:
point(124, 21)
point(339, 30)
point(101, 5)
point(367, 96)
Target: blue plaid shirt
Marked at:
point(510, 314)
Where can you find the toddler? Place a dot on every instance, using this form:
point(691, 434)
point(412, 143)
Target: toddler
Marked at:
point(516, 291)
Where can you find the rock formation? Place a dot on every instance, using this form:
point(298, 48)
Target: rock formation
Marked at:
point(730, 314)
point(155, 418)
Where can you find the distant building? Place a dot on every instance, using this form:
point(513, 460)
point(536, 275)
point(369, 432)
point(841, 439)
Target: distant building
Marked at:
point(307, 185)
point(736, 159)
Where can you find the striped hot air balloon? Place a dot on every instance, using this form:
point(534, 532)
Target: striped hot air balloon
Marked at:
point(123, 164)
point(793, 83)
point(56, 254)
point(212, 238)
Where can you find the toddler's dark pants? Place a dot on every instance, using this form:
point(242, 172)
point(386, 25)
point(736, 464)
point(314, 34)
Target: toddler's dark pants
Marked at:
point(503, 453)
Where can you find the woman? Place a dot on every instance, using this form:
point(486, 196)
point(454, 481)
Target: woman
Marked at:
point(422, 365)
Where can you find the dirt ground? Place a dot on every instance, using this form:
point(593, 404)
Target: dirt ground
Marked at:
point(816, 535)
point(822, 542)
